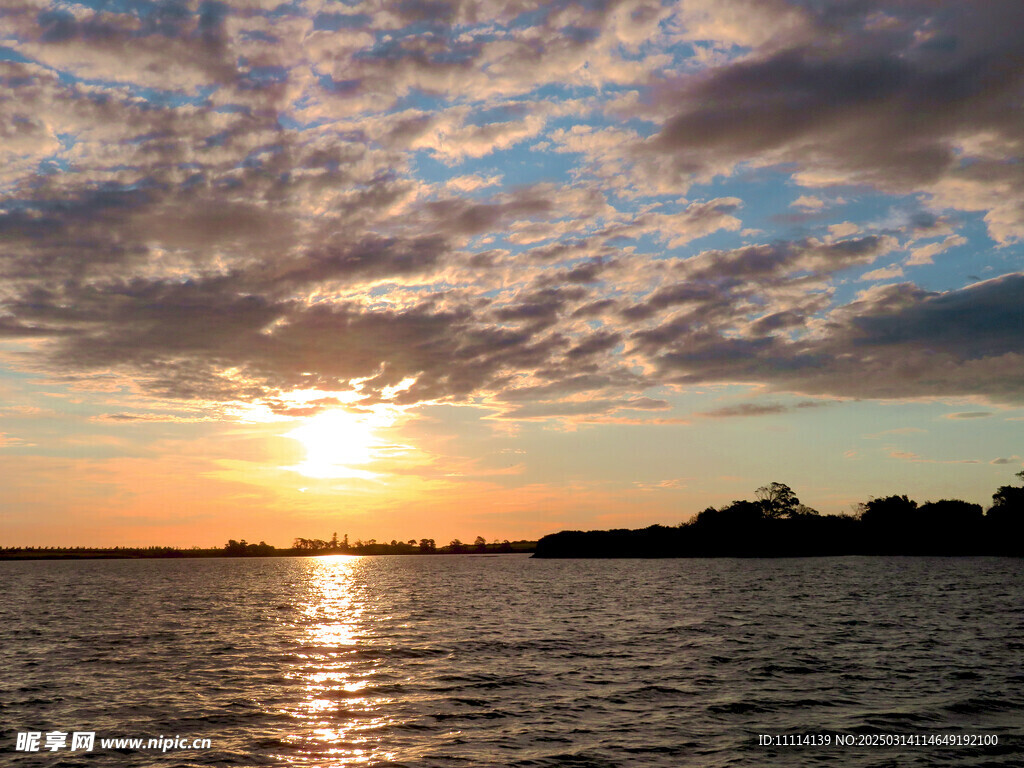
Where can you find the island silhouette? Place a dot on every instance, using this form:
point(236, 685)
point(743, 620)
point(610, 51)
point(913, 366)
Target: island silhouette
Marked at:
point(776, 524)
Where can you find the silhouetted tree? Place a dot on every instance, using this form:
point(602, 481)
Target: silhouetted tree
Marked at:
point(480, 543)
point(802, 510)
point(890, 511)
point(738, 514)
point(777, 500)
point(1008, 501)
point(241, 549)
point(893, 525)
point(1005, 518)
point(234, 548)
point(310, 545)
point(703, 518)
point(949, 514)
point(427, 546)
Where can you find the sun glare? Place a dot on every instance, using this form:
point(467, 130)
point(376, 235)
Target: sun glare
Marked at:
point(341, 444)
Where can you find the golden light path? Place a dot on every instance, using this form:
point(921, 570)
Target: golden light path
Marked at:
point(341, 720)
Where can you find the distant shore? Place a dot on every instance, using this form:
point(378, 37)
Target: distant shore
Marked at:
point(167, 553)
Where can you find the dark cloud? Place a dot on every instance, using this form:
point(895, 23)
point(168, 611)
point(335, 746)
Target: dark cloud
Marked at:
point(759, 409)
point(572, 384)
point(712, 284)
point(1003, 460)
point(785, 259)
point(199, 339)
point(888, 104)
point(590, 407)
point(745, 409)
point(982, 320)
point(370, 259)
point(596, 343)
point(894, 342)
point(590, 271)
point(594, 308)
point(646, 404)
point(11, 328)
point(777, 321)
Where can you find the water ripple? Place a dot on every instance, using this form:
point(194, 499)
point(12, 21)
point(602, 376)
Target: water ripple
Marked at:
point(447, 661)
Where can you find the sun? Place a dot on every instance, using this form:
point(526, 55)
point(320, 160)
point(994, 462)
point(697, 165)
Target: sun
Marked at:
point(340, 444)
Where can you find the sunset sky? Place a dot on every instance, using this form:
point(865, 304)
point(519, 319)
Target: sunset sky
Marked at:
point(445, 269)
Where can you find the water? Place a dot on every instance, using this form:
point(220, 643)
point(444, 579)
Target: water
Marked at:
point(507, 661)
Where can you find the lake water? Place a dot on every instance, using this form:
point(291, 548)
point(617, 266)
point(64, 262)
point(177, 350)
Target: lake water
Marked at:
point(507, 661)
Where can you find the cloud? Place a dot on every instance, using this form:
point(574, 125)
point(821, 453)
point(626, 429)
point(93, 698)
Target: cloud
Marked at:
point(759, 409)
point(13, 442)
point(575, 408)
point(200, 338)
point(1009, 460)
point(885, 273)
point(675, 484)
point(808, 203)
point(968, 415)
point(924, 102)
point(925, 254)
point(907, 455)
point(745, 409)
point(896, 431)
point(892, 342)
point(232, 201)
point(893, 453)
point(715, 285)
point(472, 182)
point(122, 418)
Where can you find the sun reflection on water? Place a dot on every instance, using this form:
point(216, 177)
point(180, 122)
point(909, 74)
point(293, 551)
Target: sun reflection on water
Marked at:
point(342, 718)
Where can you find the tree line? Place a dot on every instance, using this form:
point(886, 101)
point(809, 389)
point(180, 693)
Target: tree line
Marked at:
point(776, 524)
point(336, 546)
point(96, 553)
point(300, 547)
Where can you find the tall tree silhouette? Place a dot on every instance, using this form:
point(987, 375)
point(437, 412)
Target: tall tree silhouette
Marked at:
point(777, 500)
point(1006, 515)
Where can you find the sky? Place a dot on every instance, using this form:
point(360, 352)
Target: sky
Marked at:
point(443, 269)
